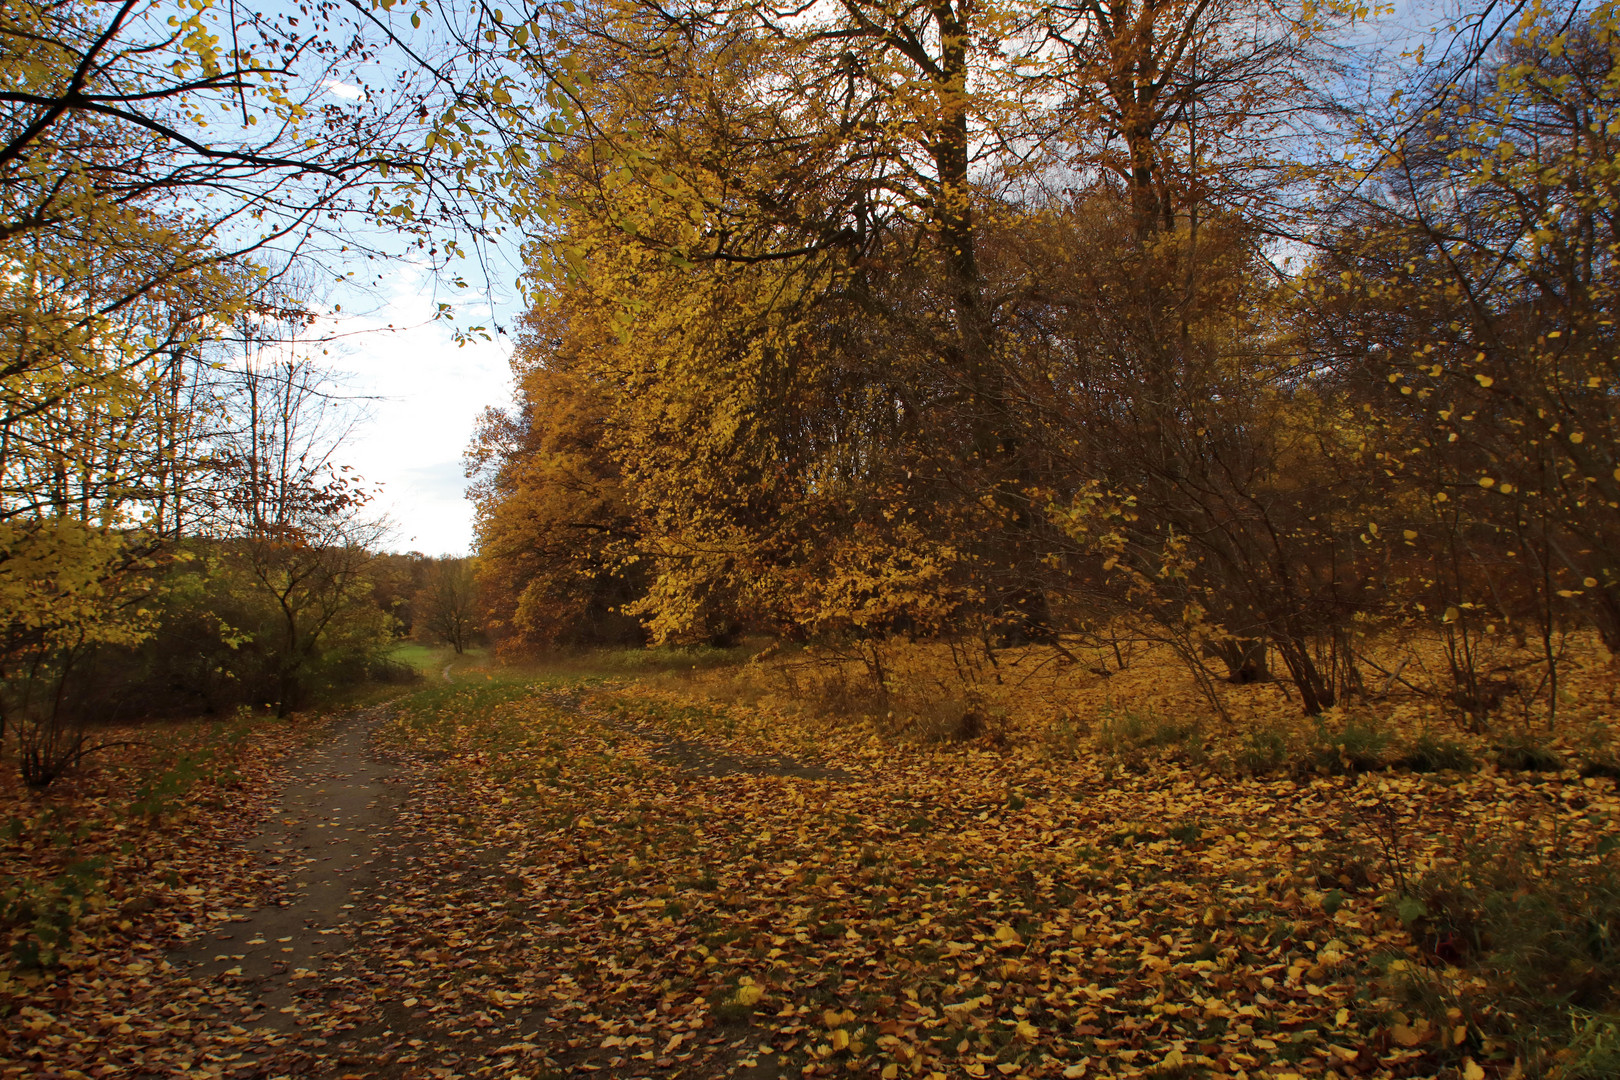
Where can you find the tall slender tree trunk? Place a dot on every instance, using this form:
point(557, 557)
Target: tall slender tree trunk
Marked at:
point(1017, 606)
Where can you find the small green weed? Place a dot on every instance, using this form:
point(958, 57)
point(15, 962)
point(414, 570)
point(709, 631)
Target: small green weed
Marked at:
point(1429, 754)
point(1263, 751)
point(735, 1005)
point(40, 916)
point(1065, 738)
point(1599, 752)
point(1594, 1050)
point(1132, 738)
point(1537, 942)
point(1355, 748)
point(1524, 754)
point(1186, 833)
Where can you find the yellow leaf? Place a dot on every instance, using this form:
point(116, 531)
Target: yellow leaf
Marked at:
point(840, 1039)
point(890, 1071)
point(1472, 1071)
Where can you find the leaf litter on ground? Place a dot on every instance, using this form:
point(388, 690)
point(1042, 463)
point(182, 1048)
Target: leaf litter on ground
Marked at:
point(571, 889)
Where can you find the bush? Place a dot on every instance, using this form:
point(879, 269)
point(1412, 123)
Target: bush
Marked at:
point(38, 918)
point(1263, 751)
point(951, 720)
point(392, 672)
point(1142, 731)
point(1599, 756)
point(1064, 738)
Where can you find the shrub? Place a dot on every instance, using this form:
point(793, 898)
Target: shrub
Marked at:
point(1142, 731)
point(392, 672)
point(1599, 756)
point(1064, 738)
point(1538, 945)
point(38, 917)
point(950, 720)
point(1263, 751)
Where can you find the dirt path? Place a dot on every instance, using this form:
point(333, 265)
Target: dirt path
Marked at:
point(325, 832)
point(318, 983)
point(280, 968)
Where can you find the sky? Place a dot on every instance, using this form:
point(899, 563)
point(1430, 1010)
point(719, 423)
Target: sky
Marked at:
point(420, 395)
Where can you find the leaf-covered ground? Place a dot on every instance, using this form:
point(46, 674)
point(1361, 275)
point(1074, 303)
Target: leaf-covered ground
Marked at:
point(596, 878)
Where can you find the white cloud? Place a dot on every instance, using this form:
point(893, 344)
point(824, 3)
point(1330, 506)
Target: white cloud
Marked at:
point(428, 393)
point(339, 89)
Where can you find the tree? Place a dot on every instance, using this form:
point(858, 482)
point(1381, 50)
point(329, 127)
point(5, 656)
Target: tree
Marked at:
point(794, 252)
point(293, 523)
point(1184, 105)
point(1467, 305)
point(155, 181)
point(555, 533)
point(446, 606)
point(103, 406)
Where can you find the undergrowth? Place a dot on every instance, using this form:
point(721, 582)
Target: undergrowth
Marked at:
point(1521, 959)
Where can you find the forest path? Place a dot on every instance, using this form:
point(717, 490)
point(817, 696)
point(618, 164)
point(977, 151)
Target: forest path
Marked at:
point(388, 899)
point(325, 833)
point(288, 970)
